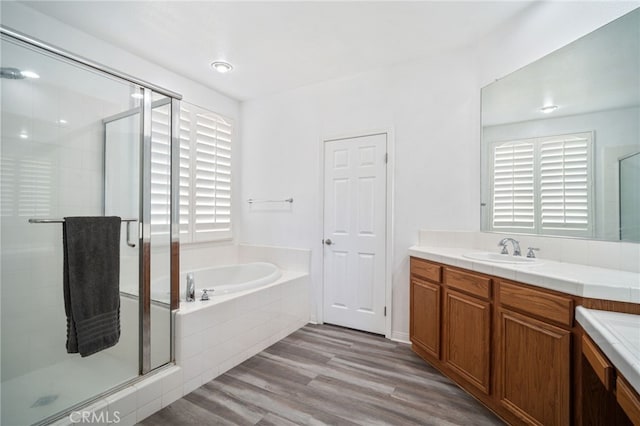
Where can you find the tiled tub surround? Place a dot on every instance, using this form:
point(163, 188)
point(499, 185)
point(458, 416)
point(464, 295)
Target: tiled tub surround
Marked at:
point(618, 336)
point(593, 281)
point(214, 336)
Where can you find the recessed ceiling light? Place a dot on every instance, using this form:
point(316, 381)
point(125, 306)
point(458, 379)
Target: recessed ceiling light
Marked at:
point(221, 66)
point(24, 135)
point(29, 74)
point(137, 96)
point(62, 121)
point(548, 109)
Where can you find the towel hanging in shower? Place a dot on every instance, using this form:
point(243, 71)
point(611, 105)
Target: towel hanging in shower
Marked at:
point(91, 283)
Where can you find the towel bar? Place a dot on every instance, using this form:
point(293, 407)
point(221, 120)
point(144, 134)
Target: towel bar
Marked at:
point(128, 221)
point(288, 200)
point(36, 220)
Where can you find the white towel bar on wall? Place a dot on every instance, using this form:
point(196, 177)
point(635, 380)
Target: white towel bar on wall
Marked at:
point(287, 200)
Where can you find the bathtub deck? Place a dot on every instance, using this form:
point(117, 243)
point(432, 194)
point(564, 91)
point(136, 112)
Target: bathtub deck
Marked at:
point(328, 375)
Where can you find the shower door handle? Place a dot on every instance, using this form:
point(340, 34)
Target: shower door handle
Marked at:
point(130, 244)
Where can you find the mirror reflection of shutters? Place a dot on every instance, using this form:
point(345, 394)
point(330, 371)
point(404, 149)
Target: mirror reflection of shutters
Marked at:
point(513, 185)
point(564, 182)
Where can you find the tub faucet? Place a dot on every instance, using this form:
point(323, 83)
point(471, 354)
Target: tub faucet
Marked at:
point(516, 246)
point(191, 288)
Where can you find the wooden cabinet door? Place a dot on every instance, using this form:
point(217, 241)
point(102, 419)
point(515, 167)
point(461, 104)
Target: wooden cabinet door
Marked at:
point(466, 339)
point(424, 327)
point(534, 369)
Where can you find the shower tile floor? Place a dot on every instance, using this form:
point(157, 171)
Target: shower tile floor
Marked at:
point(35, 396)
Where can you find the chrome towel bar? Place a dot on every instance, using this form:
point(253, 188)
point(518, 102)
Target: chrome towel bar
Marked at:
point(128, 221)
point(36, 220)
point(287, 200)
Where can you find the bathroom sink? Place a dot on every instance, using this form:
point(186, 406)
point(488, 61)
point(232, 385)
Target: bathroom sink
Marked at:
point(499, 258)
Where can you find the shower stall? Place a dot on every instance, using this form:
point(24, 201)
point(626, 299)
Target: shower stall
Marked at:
point(79, 139)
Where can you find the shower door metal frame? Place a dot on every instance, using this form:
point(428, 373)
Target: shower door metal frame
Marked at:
point(145, 212)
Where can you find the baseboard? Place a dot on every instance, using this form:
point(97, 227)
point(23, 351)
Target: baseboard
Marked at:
point(398, 336)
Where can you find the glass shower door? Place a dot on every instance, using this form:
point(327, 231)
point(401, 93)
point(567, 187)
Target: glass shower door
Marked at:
point(52, 159)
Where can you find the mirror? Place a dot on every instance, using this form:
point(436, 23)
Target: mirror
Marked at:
point(555, 135)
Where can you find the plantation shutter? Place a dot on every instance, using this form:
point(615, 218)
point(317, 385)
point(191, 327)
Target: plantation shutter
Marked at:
point(185, 173)
point(543, 184)
point(205, 175)
point(565, 183)
point(160, 170)
point(513, 185)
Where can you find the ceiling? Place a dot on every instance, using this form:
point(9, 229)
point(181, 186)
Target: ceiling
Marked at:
point(275, 46)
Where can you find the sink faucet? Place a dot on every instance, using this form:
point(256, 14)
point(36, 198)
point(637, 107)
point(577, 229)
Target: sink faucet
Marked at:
point(516, 246)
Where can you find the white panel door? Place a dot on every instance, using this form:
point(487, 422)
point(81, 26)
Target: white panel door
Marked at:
point(354, 232)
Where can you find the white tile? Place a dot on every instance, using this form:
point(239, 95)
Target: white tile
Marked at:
point(635, 295)
point(124, 401)
point(574, 250)
point(211, 358)
point(192, 385)
point(607, 293)
point(172, 379)
point(171, 396)
point(192, 367)
point(209, 374)
point(630, 257)
point(148, 409)
point(128, 420)
point(192, 323)
point(192, 345)
point(148, 390)
point(604, 254)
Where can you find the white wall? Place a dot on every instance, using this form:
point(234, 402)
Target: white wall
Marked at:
point(432, 109)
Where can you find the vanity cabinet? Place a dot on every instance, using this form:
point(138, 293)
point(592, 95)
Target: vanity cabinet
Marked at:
point(450, 321)
point(506, 343)
point(607, 398)
point(534, 366)
point(534, 353)
point(425, 316)
point(466, 334)
point(467, 326)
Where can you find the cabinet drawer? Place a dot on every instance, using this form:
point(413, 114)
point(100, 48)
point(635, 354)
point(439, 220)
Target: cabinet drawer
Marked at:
point(599, 363)
point(426, 270)
point(628, 400)
point(545, 305)
point(477, 285)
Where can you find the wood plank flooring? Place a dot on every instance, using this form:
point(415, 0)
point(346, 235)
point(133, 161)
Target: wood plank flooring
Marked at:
point(324, 374)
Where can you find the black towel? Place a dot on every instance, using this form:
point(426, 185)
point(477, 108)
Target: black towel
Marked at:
point(91, 283)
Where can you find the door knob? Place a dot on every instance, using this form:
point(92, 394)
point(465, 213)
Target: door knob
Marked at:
point(328, 242)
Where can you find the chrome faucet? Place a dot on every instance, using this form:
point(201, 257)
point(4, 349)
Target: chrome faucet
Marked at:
point(516, 246)
point(191, 288)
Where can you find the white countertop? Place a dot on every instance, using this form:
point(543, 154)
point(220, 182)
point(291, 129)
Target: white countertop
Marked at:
point(578, 280)
point(618, 336)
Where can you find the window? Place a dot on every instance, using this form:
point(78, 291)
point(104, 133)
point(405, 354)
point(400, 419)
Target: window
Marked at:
point(543, 185)
point(205, 174)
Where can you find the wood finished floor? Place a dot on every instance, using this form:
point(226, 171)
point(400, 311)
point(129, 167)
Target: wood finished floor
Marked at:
point(323, 374)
